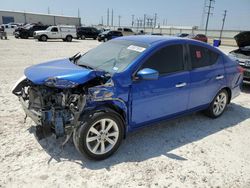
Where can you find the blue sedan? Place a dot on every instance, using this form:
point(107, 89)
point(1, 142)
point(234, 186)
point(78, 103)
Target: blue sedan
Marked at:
point(124, 84)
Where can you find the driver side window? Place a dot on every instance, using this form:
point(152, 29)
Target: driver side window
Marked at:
point(166, 60)
point(54, 29)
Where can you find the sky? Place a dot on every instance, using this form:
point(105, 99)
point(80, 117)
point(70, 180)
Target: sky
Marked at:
point(177, 13)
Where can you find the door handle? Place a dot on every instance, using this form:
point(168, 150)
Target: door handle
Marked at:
point(181, 85)
point(219, 77)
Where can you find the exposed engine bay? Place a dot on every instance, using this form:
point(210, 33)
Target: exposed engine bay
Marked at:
point(54, 110)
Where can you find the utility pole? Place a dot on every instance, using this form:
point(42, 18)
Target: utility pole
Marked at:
point(48, 10)
point(102, 21)
point(119, 21)
point(112, 17)
point(133, 20)
point(223, 22)
point(203, 14)
point(209, 13)
point(144, 22)
point(78, 13)
point(155, 20)
point(108, 17)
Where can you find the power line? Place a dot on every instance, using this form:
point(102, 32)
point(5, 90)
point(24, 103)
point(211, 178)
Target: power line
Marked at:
point(209, 13)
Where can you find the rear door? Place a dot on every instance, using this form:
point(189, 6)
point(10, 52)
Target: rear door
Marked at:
point(207, 75)
point(156, 99)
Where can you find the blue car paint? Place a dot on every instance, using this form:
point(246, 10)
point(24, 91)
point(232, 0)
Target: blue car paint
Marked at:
point(149, 101)
point(61, 69)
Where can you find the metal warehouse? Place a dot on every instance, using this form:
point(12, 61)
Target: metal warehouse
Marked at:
point(28, 17)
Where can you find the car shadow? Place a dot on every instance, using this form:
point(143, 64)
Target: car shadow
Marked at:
point(59, 41)
point(245, 88)
point(154, 141)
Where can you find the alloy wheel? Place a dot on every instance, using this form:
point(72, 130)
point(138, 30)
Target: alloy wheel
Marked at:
point(102, 136)
point(220, 103)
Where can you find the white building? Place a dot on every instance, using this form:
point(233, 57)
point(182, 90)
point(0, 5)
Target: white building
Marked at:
point(28, 17)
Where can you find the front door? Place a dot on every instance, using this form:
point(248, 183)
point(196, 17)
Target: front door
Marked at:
point(156, 99)
point(54, 33)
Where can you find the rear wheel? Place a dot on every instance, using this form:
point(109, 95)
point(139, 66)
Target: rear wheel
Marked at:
point(218, 106)
point(69, 38)
point(83, 37)
point(100, 137)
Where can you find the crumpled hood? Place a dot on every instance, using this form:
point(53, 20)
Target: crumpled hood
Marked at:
point(60, 69)
point(243, 39)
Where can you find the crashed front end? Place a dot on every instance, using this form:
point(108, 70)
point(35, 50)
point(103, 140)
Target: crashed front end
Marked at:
point(54, 110)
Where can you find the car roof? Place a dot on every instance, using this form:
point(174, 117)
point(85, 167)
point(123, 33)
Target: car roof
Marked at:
point(150, 39)
point(157, 40)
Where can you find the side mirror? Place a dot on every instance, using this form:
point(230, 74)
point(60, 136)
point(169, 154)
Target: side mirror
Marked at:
point(147, 74)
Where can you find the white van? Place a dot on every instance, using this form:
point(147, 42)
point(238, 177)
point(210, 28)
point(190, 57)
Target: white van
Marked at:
point(64, 32)
point(126, 31)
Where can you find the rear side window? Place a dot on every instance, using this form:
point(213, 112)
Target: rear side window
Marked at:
point(202, 57)
point(166, 60)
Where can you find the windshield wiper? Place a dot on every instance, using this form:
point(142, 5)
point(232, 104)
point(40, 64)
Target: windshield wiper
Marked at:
point(86, 66)
point(75, 57)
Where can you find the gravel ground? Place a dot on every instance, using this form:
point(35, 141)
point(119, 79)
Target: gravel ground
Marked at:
point(192, 151)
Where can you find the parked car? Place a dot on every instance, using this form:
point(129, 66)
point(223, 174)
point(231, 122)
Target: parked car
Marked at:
point(8, 28)
point(108, 35)
point(64, 32)
point(242, 54)
point(159, 34)
point(28, 30)
point(124, 84)
point(199, 37)
point(141, 32)
point(87, 32)
point(182, 35)
point(126, 31)
point(3, 34)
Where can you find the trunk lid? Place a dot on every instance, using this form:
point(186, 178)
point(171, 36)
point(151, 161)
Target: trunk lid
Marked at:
point(243, 39)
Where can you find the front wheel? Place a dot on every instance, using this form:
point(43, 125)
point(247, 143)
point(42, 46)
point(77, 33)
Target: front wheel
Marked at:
point(218, 105)
point(99, 137)
point(43, 38)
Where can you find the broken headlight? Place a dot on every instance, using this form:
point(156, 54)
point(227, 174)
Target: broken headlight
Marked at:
point(60, 83)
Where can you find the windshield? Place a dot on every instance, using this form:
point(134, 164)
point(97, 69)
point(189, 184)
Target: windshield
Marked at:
point(28, 26)
point(49, 28)
point(112, 56)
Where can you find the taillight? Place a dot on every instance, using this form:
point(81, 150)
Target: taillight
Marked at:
point(241, 69)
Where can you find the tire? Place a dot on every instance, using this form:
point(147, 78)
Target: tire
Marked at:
point(69, 38)
point(218, 105)
point(96, 130)
point(83, 37)
point(43, 38)
point(94, 38)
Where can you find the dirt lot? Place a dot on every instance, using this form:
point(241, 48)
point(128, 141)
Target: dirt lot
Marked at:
point(192, 151)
